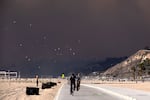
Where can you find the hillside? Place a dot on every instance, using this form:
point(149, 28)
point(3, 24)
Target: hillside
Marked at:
point(123, 69)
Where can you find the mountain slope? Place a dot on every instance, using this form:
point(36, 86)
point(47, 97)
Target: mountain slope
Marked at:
point(123, 69)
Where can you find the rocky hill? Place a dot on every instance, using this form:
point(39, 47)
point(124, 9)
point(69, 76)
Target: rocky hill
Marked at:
point(123, 69)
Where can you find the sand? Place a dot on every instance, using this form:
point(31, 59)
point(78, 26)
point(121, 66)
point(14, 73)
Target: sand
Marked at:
point(16, 90)
point(138, 86)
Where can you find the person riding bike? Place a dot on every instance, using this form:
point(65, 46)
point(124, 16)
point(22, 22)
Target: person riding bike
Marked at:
point(78, 81)
point(72, 83)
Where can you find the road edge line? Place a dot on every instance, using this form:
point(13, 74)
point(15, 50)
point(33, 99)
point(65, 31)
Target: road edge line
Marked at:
point(58, 93)
point(111, 92)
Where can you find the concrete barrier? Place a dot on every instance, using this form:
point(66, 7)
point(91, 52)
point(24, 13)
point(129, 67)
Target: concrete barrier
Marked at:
point(32, 91)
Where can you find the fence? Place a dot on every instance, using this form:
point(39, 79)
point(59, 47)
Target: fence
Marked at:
point(8, 74)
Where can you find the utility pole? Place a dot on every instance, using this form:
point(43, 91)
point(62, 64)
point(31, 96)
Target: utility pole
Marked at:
point(135, 73)
point(19, 75)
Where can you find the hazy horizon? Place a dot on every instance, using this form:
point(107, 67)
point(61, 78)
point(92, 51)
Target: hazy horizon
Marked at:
point(55, 31)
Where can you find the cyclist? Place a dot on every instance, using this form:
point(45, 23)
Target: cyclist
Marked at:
point(72, 83)
point(78, 81)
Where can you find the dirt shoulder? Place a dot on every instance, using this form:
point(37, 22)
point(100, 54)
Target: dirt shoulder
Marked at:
point(138, 86)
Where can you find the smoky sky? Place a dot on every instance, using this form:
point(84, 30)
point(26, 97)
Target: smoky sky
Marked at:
point(72, 29)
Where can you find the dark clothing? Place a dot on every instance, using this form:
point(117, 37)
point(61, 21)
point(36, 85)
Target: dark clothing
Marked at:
point(78, 83)
point(78, 79)
point(72, 83)
point(37, 82)
point(73, 79)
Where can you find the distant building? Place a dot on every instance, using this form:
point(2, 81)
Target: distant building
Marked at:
point(8, 74)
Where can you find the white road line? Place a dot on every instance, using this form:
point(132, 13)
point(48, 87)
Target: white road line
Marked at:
point(111, 92)
point(58, 93)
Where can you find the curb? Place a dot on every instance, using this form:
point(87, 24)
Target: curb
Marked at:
point(111, 92)
point(58, 93)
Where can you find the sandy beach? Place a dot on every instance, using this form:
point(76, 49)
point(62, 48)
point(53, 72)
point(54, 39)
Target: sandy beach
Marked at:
point(16, 90)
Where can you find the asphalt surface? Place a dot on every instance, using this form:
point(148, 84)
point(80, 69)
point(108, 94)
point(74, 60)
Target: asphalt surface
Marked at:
point(85, 93)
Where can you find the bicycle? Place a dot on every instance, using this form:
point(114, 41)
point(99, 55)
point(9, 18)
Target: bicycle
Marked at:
point(78, 85)
point(72, 89)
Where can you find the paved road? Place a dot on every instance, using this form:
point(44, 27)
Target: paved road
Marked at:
point(124, 93)
point(85, 93)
